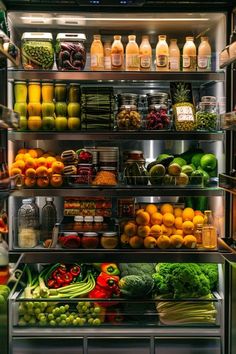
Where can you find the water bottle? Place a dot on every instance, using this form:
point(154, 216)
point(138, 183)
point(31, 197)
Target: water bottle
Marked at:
point(49, 219)
point(28, 224)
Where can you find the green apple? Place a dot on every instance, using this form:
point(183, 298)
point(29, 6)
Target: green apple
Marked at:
point(48, 109)
point(61, 109)
point(73, 109)
point(61, 123)
point(48, 123)
point(73, 123)
point(23, 125)
point(21, 108)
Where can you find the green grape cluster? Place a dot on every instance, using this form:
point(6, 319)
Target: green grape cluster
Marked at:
point(90, 313)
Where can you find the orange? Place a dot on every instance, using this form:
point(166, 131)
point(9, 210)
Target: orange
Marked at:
point(142, 218)
point(39, 152)
point(156, 231)
point(33, 153)
point(130, 229)
point(188, 227)
point(50, 161)
point(167, 208)
point(19, 164)
point(179, 232)
point(151, 208)
point(178, 222)
point(22, 151)
point(41, 161)
point(57, 167)
point(30, 182)
point(42, 182)
point(30, 172)
point(164, 229)
point(190, 241)
point(136, 242)
point(176, 241)
point(150, 242)
point(173, 231)
point(15, 171)
point(168, 219)
point(198, 219)
point(156, 219)
point(178, 212)
point(163, 241)
point(50, 172)
point(139, 211)
point(188, 214)
point(20, 157)
point(27, 156)
point(42, 171)
point(198, 212)
point(169, 231)
point(124, 239)
point(56, 180)
point(30, 163)
point(143, 230)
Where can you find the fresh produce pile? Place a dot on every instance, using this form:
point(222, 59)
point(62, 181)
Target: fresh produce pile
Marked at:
point(70, 55)
point(97, 108)
point(37, 55)
point(104, 287)
point(162, 227)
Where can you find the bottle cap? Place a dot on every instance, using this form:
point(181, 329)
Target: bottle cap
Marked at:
point(49, 199)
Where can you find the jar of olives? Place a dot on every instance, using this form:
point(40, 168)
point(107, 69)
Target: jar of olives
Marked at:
point(207, 114)
point(128, 116)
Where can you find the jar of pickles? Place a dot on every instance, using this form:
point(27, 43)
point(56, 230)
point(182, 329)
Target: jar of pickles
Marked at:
point(128, 116)
point(158, 111)
point(207, 114)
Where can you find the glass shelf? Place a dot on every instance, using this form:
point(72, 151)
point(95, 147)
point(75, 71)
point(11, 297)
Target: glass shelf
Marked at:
point(228, 183)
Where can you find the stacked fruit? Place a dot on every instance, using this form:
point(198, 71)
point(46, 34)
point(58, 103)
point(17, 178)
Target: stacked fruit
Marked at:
point(164, 227)
point(38, 168)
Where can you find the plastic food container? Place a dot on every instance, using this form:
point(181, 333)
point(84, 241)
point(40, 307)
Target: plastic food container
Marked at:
point(70, 51)
point(90, 240)
point(109, 240)
point(207, 114)
point(37, 50)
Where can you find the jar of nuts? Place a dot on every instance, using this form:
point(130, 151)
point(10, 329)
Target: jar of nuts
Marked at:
point(128, 116)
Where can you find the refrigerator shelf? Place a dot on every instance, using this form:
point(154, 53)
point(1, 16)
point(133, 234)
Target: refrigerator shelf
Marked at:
point(227, 183)
point(115, 76)
point(116, 135)
point(117, 191)
point(116, 255)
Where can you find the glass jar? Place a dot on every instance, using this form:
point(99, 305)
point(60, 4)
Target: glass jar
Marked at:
point(198, 233)
point(78, 222)
point(28, 225)
point(207, 114)
point(34, 92)
point(158, 111)
point(85, 173)
point(74, 93)
point(88, 222)
point(60, 92)
point(70, 51)
point(109, 240)
point(20, 91)
point(47, 92)
point(70, 240)
point(135, 173)
point(128, 116)
point(90, 240)
point(98, 222)
point(37, 50)
point(126, 207)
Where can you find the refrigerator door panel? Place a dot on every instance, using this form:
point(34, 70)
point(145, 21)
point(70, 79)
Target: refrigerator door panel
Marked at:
point(118, 345)
point(47, 345)
point(187, 346)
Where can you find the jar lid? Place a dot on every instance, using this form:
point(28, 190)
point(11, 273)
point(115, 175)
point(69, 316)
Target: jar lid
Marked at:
point(108, 168)
point(75, 37)
point(79, 218)
point(90, 234)
point(32, 82)
point(158, 94)
point(88, 218)
point(98, 218)
point(135, 161)
point(37, 35)
point(26, 201)
point(49, 83)
point(20, 82)
point(128, 96)
point(138, 152)
point(70, 234)
point(60, 84)
point(210, 99)
point(109, 234)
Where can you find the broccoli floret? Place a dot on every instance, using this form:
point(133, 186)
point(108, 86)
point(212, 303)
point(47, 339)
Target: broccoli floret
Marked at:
point(137, 269)
point(211, 272)
point(136, 286)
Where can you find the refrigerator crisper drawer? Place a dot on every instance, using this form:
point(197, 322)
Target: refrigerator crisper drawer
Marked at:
point(187, 345)
point(47, 345)
point(118, 345)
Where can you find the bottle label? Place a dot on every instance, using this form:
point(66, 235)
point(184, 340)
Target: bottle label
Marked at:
point(132, 61)
point(189, 62)
point(116, 60)
point(174, 63)
point(204, 62)
point(97, 61)
point(184, 114)
point(107, 63)
point(145, 61)
point(162, 60)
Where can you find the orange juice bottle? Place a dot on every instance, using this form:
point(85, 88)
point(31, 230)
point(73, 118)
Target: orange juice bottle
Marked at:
point(189, 55)
point(162, 54)
point(132, 54)
point(204, 55)
point(97, 54)
point(107, 55)
point(174, 58)
point(145, 52)
point(117, 54)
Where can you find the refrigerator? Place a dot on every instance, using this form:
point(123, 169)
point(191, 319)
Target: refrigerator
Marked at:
point(145, 334)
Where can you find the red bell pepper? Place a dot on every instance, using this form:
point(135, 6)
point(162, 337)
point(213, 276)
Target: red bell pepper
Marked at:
point(75, 271)
point(67, 278)
point(58, 277)
point(107, 281)
point(110, 268)
point(62, 269)
point(51, 283)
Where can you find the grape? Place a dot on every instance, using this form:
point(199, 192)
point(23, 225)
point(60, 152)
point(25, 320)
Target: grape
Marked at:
point(22, 322)
point(67, 307)
point(37, 311)
point(96, 322)
point(84, 308)
point(52, 323)
point(50, 317)
point(58, 320)
point(62, 309)
point(90, 321)
point(63, 317)
point(27, 317)
point(49, 309)
point(32, 321)
point(88, 304)
point(97, 309)
point(62, 323)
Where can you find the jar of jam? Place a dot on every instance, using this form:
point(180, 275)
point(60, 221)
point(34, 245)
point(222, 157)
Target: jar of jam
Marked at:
point(78, 222)
point(90, 240)
point(109, 240)
point(98, 222)
point(88, 222)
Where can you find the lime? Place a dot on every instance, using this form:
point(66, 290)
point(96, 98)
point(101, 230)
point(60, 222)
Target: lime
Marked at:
point(187, 169)
point(208, 162)
point(180, 161)
point(206, 177)
point(196, 159)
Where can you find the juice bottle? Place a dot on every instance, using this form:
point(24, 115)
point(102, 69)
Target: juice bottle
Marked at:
point(145, 52)
point(97, 54)
point(132, 55)
point(117, 54)
point(204, 55)
point(162, 54)
point(174, 56)
point(107, 55)
point(189, 55)
point(209, 233)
